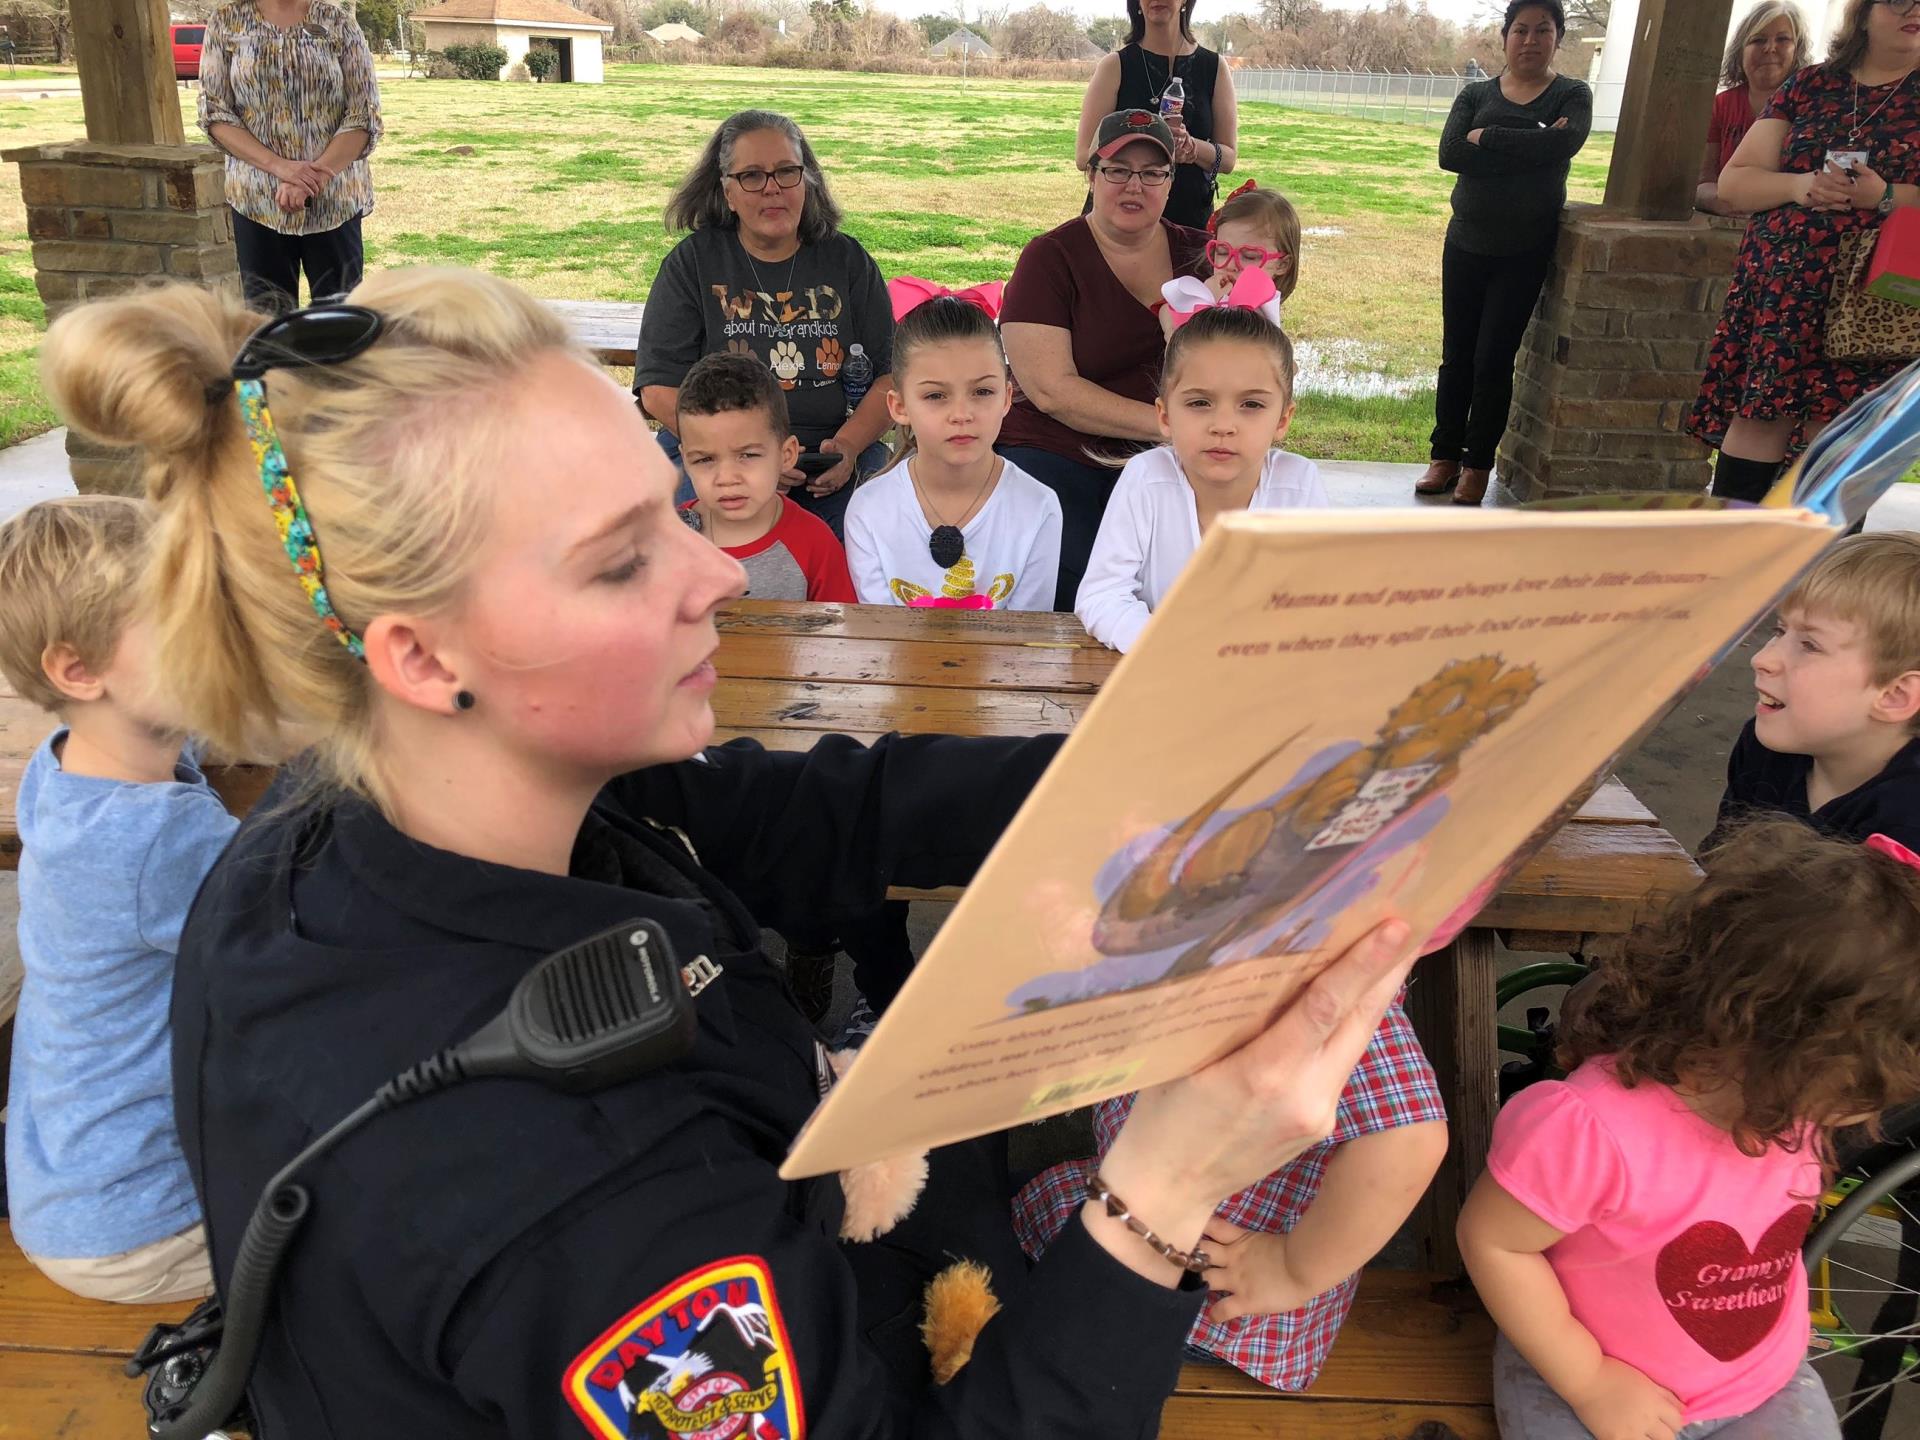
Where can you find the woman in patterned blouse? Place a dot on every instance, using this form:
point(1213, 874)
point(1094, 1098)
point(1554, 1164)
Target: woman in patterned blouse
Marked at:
point(287, 90)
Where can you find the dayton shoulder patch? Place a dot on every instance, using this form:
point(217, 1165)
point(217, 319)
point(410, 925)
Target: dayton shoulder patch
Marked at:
point(706, 1358)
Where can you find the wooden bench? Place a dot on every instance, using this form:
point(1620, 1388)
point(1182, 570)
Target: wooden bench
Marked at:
point(609, 330)
point(1414, 1351)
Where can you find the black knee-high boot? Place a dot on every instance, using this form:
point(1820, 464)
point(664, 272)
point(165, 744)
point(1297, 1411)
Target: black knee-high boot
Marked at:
point(1737, 478)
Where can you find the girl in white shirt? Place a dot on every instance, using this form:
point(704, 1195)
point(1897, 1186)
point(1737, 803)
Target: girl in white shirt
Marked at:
point(951, 525)
point(1226, 400)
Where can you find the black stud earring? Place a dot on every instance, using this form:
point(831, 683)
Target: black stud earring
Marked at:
point(463, 700)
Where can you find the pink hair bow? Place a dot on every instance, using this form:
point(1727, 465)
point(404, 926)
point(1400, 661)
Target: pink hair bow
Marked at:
point(1887, 845)
point(908, 292)
point(1186, 297)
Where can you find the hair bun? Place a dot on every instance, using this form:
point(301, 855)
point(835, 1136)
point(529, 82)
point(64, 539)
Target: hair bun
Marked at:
point(147, 369)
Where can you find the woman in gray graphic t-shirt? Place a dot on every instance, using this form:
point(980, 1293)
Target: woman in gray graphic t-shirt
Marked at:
point(766, 271)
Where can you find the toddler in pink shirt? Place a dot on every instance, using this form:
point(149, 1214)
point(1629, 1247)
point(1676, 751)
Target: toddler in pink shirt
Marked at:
point(1637, 1232)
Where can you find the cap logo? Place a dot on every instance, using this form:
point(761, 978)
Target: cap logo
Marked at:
point(1139, 119)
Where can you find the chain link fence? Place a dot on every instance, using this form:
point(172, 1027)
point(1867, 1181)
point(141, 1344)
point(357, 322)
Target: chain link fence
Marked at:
point(1372, 94)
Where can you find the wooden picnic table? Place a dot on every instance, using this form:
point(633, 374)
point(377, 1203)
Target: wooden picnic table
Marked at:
point(794, 671)
point(609, 330)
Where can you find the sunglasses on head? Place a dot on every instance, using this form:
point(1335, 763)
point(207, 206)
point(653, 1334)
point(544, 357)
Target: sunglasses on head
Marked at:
point(1220, 255)
point(318, 335)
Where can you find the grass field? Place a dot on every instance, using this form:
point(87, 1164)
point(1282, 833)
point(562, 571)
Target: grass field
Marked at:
point(564, 188)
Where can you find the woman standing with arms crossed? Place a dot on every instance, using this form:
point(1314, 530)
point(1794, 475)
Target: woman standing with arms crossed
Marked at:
point(287, 90)
point(1511, 140)
point(1837, 151)
point(1160, 49)
point(506, 1260)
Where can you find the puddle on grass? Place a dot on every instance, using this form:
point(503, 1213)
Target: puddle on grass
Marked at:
point(1345, 367)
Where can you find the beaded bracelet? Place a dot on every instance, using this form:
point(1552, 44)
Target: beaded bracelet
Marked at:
point(1193, 1261)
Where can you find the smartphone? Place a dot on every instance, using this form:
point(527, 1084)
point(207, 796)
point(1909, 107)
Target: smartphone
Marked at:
point(816, 462)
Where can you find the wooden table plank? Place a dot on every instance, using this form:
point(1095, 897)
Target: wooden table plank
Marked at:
point(609, 330)
point(1301, 1417)
point(910, 662)
point(1595, 878)
point(1614, 804)
point(1410, 1336)
point(36, 1314)
point(911, 709)
point(1040, 628)
point(67, 1397)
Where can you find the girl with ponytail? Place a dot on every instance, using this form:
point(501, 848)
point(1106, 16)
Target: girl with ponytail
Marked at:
point(951, 525)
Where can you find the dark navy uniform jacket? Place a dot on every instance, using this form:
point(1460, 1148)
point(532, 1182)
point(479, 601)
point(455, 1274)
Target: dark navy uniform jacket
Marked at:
point(504, 1260)
point(1760, 781)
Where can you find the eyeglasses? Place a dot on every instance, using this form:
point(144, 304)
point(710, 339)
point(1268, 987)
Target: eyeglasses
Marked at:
point(1220, 254)
point(1153, 178)
point(318, 335)
point(1900, 7)
point(753, 181)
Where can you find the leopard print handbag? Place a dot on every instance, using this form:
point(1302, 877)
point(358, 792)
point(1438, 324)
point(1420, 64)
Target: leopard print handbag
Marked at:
point(1863, 328)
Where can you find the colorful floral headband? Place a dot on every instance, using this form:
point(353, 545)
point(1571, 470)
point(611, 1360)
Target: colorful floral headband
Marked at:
point(289, 515)
point(325, 334)
point(1186, 297)
point(909, 292)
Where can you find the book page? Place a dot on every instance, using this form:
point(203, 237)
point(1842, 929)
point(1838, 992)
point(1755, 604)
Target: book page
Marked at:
point(1334, 714)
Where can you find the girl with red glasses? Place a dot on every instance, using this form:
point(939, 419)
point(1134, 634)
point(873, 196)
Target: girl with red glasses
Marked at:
point(1256, 229)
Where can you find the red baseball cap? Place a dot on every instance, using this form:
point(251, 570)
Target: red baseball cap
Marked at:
point(1123, 127)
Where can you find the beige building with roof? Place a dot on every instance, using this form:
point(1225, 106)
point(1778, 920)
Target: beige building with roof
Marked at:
point(514, 25)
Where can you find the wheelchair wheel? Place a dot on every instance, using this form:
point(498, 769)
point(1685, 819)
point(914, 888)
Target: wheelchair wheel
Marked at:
point(1533, 1044)
point(1863, 1282)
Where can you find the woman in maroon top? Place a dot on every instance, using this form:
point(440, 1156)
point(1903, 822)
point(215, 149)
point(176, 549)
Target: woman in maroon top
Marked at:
point(1082, 334)
point(1770, 45)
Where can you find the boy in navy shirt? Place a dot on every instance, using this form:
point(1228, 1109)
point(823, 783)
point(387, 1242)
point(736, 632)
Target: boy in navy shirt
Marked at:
point(118, 829)
point(1832, 740)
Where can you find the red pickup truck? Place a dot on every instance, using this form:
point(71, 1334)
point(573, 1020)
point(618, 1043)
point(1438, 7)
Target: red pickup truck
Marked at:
point(186, 50)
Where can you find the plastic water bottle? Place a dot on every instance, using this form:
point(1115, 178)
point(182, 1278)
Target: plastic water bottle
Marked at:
point(1173, 99)
point(856, 376)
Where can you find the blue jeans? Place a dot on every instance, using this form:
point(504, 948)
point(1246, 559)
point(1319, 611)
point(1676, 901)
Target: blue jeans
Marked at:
point(830, 508)
point(1528, 1408)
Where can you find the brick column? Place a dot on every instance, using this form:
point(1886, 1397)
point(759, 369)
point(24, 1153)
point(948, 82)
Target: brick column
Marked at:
point(104, 218)
point(1613, 357)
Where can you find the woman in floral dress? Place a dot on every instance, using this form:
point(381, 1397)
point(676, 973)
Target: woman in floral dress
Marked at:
point(1838, 150)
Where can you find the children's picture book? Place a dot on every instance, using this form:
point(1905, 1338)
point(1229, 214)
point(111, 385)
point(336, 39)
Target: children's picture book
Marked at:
point(1334, 715)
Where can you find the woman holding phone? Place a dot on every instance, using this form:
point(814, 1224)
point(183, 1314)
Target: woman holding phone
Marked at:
point(1834, 153)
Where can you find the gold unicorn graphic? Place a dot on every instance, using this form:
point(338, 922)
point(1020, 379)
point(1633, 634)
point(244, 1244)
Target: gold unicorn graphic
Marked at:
point(956, 590)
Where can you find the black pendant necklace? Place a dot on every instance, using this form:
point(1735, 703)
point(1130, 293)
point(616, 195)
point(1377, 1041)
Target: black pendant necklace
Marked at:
point(946, 544)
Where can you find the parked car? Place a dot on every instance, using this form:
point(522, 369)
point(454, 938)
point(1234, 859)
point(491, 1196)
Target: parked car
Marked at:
point(186, 50)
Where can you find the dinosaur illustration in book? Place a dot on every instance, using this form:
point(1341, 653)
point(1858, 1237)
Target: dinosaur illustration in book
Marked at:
point(1223, 884)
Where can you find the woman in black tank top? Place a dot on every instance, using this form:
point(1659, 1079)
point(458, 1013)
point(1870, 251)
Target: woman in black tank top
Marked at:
point(1160, 48)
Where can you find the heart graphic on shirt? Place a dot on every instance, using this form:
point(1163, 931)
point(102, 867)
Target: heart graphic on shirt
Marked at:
point(1725, 1296)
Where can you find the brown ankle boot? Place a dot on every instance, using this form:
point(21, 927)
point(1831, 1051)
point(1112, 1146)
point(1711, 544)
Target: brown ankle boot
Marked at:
point(1473, 486)
point(1441, 476)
